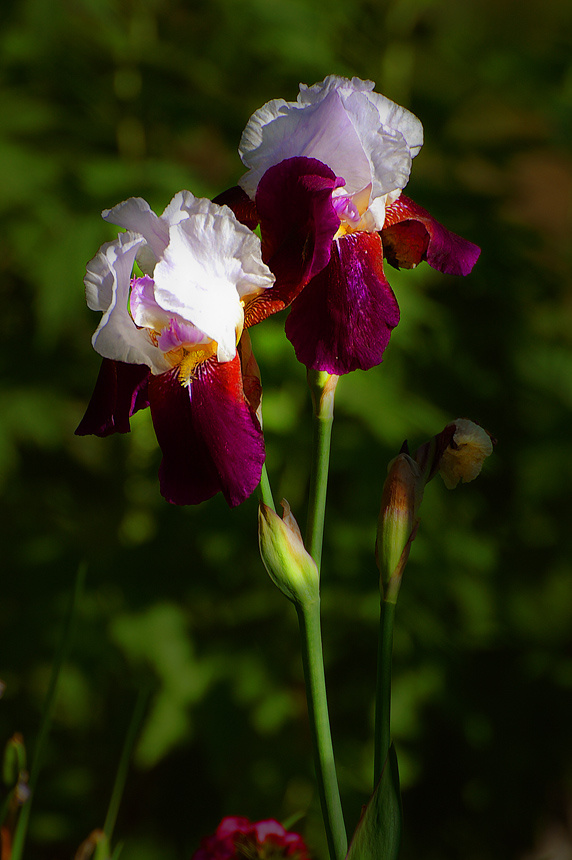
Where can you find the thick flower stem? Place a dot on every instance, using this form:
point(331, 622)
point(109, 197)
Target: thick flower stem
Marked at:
point(383, 689)
point(323, 389)
point(312, 658)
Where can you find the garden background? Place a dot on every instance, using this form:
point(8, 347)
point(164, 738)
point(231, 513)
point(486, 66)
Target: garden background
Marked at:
point(101, 100)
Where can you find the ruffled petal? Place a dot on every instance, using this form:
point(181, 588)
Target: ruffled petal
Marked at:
point(211, 263)
point(195, 292)
point(399, 118)
point(298, 222)
point(384, 143)
point(342, 321)
point(210, 439)
point(120, 391)
point(410, 235)
point(137, 216)
point(107, 285)
point(324, 131)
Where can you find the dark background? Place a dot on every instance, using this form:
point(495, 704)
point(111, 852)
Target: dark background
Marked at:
point(101, 100)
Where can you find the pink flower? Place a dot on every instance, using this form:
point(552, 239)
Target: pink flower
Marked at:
point(238, 839)
point(325, 182)
point(169, 341)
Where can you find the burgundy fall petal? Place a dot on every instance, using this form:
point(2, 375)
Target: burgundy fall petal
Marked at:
point(410, 234)
point(120, 391)
point(210, 439)
point(342, 321)
point(243, 207)
point(298, 223)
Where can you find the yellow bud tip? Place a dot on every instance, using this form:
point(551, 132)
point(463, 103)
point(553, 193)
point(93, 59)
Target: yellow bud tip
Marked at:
point(464, 457)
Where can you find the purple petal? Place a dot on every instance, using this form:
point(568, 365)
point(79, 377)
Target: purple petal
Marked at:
point(243, 207)
point(342, 321)
point(210, 439)
point(120, 392)
point(410, 235)
point(298, 222)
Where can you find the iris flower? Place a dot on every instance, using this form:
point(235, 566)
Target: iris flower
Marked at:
point(325, 179)
point(169, 339)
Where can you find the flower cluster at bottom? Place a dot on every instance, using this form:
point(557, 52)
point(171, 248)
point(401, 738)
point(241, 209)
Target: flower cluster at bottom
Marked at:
point(238, 839)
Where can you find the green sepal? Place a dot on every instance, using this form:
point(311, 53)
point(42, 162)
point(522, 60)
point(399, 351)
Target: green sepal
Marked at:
point(378, 834)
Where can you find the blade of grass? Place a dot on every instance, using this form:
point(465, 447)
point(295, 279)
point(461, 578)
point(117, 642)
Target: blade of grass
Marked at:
point(21, 828)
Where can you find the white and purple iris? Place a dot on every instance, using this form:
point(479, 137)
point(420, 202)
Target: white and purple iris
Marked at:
point(325, 178)
point(169, 341)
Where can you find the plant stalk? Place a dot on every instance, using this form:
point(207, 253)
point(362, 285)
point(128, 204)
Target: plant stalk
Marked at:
point(313, 662)
point(382, 730)
point(323, 390)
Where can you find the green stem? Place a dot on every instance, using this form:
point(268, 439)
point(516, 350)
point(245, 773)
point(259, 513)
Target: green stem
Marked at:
point(323, 389)
point(383, 689)
point(124, 761)
point(264, 489)
point(312, 658)
point(46, 722)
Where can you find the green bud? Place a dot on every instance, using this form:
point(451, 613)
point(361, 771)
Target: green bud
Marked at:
point(285, 558)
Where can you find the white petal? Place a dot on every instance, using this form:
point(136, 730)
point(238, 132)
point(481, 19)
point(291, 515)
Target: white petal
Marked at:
point(361, 135)
point(322, 130)
point(186, 284)
point(211, 262)
point(377, 212)
point(390, 114)
point(137, 216)
point(316, 92)
point(399, 119)
point(182, 205)
point(107, 289)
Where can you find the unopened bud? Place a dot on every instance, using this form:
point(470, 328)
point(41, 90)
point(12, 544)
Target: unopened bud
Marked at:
point(397, 524)
point(285, 558)
point(14, 763)
point(463, 459)
point(95, 847)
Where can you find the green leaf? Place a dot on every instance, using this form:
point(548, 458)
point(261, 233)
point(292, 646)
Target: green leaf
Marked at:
point(378, 834)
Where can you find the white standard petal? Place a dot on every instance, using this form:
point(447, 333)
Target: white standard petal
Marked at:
point(137, 216)
point(183, 204)
point(390, 136)
point(390, 114)
point(399, 119)
point(107, 283)
point(316, 92)
point(321, 130)
point(211, 263)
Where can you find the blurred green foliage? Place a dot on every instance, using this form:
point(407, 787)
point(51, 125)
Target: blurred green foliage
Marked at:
point(105, 99)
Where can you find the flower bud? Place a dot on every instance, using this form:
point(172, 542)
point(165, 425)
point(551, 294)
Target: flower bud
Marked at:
point(14, 763)
point(95, 847)
point(398, 521)
point(285, 558)
point(463, 459)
